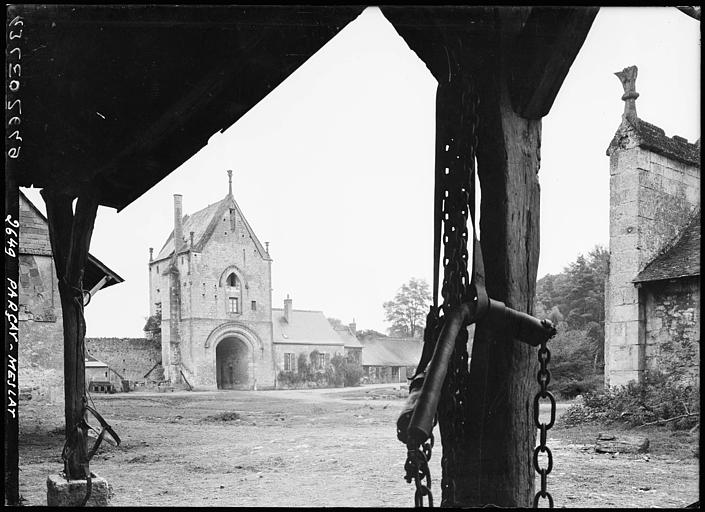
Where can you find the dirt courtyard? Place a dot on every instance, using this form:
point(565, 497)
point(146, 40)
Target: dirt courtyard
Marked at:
point(331, 447)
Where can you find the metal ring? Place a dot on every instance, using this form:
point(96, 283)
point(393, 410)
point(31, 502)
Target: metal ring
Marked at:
point(549, 467)
point(546, 495)
point(552, 399)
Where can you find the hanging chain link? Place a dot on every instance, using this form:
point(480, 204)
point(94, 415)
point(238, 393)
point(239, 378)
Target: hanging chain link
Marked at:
point(460, 106)
point(417, 469)
point(543, 377)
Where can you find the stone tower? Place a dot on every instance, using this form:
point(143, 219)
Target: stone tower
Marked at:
point(210, 286)
point(654, 190)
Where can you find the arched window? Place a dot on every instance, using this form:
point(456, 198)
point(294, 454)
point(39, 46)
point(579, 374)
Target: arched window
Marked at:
point(233, 281)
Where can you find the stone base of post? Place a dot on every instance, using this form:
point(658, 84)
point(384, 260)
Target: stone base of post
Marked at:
point(70, 493)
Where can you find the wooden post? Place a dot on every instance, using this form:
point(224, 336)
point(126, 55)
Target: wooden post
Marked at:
point(498, 467)
point(70, 236)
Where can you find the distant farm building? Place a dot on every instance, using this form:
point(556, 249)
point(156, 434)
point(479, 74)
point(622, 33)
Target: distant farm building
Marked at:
point(386, 359)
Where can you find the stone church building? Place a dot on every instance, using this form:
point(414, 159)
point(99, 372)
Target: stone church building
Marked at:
point(652, 293)
point(210, 292)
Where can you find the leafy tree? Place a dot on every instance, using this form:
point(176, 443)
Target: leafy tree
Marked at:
point(574, 301)
point(407, 311)
point(578, 293)
point(335, 322)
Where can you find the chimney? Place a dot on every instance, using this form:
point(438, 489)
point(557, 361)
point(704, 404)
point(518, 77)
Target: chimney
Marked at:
point(178, 228)
point(266, 247)
point(288, 313)
point(353, 327)
point(628, 78)
point(151, 253)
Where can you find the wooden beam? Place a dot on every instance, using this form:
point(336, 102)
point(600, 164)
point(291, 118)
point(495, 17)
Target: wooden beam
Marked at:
point(498, 468)
point(98, 286)
point(542, 55)
point(70, 237)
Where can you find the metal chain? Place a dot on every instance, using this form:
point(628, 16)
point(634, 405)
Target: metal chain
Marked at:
point(459, 192)
point(417, 470)
point(543, 377)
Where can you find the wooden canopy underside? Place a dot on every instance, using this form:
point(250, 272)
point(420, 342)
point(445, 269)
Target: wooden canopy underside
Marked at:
point(117, 97)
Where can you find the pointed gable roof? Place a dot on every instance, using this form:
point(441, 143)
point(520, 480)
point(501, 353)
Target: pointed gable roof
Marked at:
point(204, 222)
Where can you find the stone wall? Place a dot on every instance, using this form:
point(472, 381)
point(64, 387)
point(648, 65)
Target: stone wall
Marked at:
point(672, 311)
point(195, 305)
point(130, 357)
point(651, 199)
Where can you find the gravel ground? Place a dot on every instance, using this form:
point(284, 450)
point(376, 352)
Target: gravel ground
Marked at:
point(314, 448)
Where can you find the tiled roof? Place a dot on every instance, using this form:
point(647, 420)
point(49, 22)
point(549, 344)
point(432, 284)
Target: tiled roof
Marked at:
point(391, 352)
point(348, 337)
point(37, 226)
point(680, 259)
point(304, 327)
point(649, 136)
point(203, 223)
point(654, 138)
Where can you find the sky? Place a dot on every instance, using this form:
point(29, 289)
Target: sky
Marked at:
point(334, 168)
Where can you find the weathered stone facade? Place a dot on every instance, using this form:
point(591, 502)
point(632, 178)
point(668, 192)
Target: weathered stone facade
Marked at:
point(672, 313)
point(654, 191)
point(132, 358)
point(213, 293)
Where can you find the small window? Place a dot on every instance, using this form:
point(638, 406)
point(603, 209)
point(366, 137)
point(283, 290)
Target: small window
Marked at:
point(233, 304)
point(106, 374)
point(289, 362)
point(233, 280)
point(253, 304)
point(322, 360)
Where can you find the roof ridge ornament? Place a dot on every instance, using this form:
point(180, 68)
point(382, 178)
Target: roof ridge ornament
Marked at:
point(230, 182)
point(628, 78)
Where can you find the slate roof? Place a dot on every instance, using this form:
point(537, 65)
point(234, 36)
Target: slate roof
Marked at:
point(304, 327)
point(203, 223)
point(349, 339)
point(95, 270)
point(391, 352)
point(680, 259)
point(650, 136)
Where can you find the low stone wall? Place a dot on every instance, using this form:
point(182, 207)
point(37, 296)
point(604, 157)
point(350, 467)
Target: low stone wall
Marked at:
point(130, 357)
point(673, 328)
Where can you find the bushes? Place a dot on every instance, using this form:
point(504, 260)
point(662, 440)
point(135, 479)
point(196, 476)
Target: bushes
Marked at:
point(657, 399)
point(339, 372)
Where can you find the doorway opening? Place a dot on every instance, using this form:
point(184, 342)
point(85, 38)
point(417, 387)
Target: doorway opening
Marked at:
point(232, 358)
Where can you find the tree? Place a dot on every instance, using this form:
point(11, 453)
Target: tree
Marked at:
point(369, 333)
point(335, 322)
point(407, 311)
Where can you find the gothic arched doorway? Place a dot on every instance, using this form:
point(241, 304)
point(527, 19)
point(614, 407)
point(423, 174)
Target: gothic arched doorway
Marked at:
point(232, 362)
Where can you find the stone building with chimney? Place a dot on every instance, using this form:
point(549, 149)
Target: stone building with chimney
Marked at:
point(652, 292)
point(210, 292)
